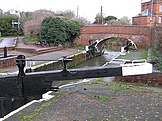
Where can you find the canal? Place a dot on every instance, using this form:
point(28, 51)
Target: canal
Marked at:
point(110, 53)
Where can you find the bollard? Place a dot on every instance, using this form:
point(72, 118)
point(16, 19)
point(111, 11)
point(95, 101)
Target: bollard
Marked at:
point(20, 62)
point(5, 52)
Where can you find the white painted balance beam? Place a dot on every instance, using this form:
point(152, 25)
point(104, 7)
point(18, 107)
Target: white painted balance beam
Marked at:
point(136, 68)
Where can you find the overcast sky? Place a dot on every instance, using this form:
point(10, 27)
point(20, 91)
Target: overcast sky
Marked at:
point(87, 8)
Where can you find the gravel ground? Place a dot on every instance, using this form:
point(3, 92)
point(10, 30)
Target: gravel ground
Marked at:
point(98, 101)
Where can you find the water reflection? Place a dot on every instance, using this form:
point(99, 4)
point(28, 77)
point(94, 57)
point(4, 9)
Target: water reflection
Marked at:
point(110, 53)
point(113, 48)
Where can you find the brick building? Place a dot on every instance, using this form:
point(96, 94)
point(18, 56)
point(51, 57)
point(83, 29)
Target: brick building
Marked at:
point(151, 13)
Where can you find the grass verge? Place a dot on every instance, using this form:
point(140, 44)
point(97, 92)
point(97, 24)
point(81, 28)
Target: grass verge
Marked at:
point(119, 86)
point(101, 98)
point(34, 113)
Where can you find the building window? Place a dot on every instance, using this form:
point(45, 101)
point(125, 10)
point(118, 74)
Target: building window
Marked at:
point(160, 8)
point(160, 19)
point(146, 12)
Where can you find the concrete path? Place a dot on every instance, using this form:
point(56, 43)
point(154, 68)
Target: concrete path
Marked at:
point(8, 42)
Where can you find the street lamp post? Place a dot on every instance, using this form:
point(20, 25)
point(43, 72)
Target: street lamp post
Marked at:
point(18, 23)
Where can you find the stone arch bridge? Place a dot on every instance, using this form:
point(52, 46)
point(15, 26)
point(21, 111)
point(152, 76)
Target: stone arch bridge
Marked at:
point(139, 34)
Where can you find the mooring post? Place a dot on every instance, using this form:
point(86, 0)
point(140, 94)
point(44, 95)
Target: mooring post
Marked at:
point(5, 52)
point(20, 62)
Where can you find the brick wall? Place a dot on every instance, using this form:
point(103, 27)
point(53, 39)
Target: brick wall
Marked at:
point(129, 30)
point(7, 62)
point(141, 20)
point(27, 50)
point(154, 78)
point(8, 49)
point(144, 20)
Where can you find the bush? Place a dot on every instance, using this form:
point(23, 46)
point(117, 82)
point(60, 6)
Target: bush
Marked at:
point(156, 58)
point(72, 29)
point(59, 31)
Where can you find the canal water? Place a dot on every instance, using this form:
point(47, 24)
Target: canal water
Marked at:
point(110, 53)
point(100, 60)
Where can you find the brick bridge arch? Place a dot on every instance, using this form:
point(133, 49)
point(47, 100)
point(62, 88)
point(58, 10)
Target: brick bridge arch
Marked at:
point(139, 34)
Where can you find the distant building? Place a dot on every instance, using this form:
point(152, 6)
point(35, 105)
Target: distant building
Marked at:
point(151, 13)
point(13, 12)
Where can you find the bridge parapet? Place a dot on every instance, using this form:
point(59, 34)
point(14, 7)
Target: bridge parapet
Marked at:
point(133, 30)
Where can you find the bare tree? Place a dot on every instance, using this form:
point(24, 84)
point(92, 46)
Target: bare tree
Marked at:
point(125, 20)
point(32, 26)
point(68, 14)
point(83, 21)
point(98, 19)
point(122, 21)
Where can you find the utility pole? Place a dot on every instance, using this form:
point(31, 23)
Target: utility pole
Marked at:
point(101, 15)
point(77, 11)
point(151, 19)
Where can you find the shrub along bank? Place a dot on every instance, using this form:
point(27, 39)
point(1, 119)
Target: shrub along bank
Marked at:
point(156, 57)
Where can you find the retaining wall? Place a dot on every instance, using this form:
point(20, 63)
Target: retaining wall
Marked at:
point(27, 50)
point(8, 49)
point(155, 78)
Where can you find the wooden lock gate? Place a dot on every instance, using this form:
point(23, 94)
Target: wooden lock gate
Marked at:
point(16, 91)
